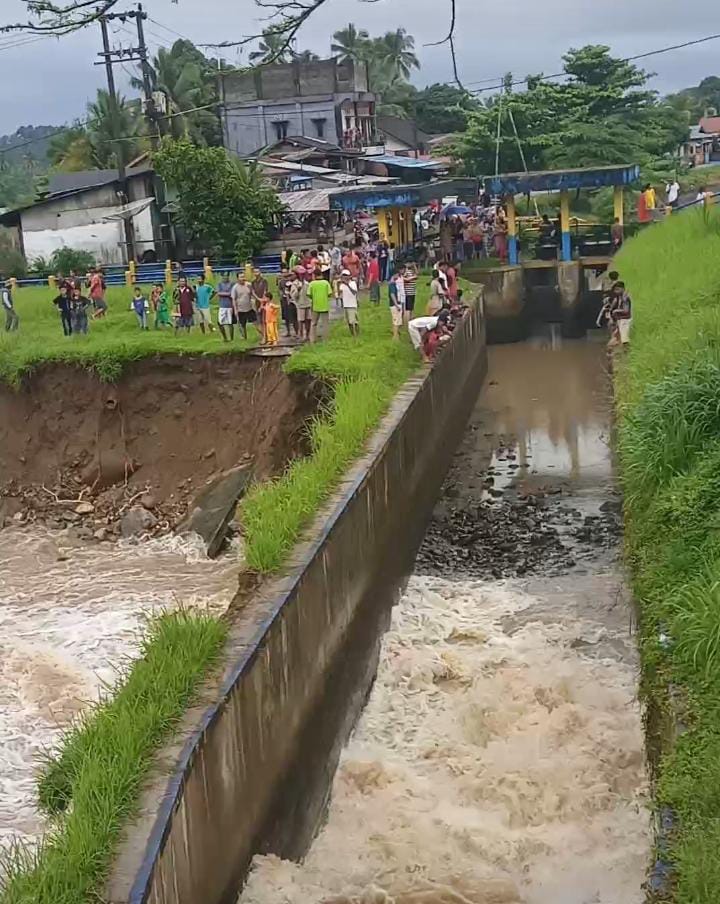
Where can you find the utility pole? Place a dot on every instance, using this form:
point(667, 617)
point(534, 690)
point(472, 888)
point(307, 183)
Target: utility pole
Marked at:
point(107, 56)
point(150, 111)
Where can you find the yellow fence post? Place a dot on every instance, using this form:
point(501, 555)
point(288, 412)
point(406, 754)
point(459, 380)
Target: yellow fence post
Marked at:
point(168, 273)
point(52, 281)
point(618, 204)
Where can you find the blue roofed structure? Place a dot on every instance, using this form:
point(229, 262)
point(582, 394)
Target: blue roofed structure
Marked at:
point(562, 180)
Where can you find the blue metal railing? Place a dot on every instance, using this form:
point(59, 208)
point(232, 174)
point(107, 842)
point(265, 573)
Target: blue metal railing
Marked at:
point(147, 274)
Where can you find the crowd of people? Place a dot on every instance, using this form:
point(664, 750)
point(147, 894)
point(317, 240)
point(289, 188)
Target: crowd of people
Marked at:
point(310, 285)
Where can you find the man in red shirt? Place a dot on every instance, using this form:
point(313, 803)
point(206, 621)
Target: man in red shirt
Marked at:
point(184, 301)
point(373, 278)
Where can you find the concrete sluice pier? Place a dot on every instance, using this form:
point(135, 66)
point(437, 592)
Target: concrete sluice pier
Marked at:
point(499, 758)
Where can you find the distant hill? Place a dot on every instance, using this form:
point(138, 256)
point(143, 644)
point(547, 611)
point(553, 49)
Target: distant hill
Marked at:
point(699, 100)
point(37, 150)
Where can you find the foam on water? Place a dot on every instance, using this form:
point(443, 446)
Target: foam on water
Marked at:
point(499, 761)
point(70, 621)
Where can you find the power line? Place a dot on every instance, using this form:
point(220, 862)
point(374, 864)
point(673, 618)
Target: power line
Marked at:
point(630, 59)
point(170, 30)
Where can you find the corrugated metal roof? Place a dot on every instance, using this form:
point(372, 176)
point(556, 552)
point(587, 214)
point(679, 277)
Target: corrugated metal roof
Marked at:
point(405, 162)
point(306, 201)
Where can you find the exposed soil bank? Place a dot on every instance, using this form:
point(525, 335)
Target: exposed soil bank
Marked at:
point(500, 757)
point(167, 426)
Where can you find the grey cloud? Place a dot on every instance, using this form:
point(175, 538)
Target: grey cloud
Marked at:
point(52, 81)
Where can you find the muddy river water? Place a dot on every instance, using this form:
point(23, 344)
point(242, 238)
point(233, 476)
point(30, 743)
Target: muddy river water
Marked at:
point(70, 620)
point(500, 757)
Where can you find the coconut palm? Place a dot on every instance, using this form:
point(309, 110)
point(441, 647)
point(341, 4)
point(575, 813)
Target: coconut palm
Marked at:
point(351, 43)
point(397, 48)
point(109, 128)
point(273, 48)
point(183, 75)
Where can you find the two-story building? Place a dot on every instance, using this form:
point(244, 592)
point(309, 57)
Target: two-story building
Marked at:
point(325, 99)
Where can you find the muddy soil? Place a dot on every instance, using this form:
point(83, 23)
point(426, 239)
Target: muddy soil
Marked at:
point(156, 437)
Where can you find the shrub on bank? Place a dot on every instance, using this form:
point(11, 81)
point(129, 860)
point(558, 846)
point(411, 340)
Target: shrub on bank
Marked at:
point(668, 390)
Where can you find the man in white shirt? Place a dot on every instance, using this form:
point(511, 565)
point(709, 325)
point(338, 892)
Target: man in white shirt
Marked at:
point(672, 192)
point(349, 298)
point(325, 263)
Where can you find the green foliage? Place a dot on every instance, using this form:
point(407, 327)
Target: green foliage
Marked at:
point(109, 345)
point(602, 113)
point(103, 761)
point(107, 122)
point(390, 60)
point(12, 263)
point(17, 184)
point(188, 80)
point(223, 203)
point(442, 108)
point(65, 259)
point(696, 102)
point(668, 389)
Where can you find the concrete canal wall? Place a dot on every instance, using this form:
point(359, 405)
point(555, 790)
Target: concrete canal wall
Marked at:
point(255, 770)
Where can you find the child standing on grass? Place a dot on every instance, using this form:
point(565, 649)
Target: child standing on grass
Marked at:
point(270, 317)
point(160, 303)
point(138, 305)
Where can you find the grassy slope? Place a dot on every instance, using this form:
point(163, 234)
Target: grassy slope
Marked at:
point(366, 373)
point(93, 786)
point(669, 443)
point(110, 342)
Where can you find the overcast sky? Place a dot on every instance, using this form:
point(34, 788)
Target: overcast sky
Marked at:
point(49, 82)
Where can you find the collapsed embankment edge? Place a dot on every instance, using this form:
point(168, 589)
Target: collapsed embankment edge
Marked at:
point(256, 768)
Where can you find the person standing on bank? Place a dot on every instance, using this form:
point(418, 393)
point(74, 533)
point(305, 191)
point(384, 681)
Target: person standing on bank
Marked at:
point(396, 298)
point(12, 321)
point(78, 308)
point(259, 291)
point(410, 278)
point(226, 315)
point(319, 292)
point(184, 301)
point(203, 295)
point(349, 295)
point(242, 302)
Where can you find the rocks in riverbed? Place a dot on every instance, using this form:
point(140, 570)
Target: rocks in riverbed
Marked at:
point(136, 521)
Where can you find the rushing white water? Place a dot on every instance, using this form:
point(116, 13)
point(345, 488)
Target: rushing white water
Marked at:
point(499, 761)
point(70, 620)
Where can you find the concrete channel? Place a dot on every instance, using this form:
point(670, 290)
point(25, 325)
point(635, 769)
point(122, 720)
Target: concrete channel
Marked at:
point(437, 704)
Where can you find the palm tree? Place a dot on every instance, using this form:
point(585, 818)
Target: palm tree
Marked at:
point(397, 48)
point(182, 74)
point(351, 43)
point(109, 127)
point(273, 48)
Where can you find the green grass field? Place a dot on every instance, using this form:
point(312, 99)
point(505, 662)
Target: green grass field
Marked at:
point(110, 343)
point(668, 389)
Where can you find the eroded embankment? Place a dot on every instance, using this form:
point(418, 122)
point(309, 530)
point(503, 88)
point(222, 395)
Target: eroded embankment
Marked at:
point(75, 454)
point(167, 426)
